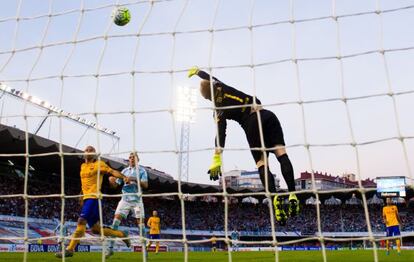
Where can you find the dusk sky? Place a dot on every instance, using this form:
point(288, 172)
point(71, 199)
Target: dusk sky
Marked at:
point(82, 63)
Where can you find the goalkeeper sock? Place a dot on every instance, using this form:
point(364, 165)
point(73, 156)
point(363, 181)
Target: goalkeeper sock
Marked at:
point(270, 179)
point(115, 225)
point(287, 171)
point(79, 232)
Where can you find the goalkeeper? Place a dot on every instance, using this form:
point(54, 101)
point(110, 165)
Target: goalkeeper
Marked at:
point(246, 114)
point(91, 171)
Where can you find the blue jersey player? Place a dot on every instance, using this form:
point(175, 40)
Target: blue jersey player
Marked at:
point(131, 201)
point(61, 231)
point(235, 235)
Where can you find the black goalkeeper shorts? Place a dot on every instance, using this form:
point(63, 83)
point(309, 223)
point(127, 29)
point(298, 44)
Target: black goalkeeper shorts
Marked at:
point(272, 132)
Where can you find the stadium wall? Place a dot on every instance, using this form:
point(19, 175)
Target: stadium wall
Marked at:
point(207, 233)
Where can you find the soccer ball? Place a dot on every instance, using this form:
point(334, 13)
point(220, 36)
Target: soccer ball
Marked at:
point(121, 16)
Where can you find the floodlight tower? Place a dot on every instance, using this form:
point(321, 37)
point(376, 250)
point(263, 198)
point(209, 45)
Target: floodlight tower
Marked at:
point(185, 114)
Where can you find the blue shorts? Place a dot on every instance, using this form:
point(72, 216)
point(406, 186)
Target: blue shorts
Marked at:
point(393, 231)
point(90, 211)
point(154, 236)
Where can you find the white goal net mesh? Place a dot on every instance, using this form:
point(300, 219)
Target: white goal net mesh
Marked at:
point(336, 73)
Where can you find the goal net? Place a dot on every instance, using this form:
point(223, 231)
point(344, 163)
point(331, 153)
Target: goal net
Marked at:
point(336, 73)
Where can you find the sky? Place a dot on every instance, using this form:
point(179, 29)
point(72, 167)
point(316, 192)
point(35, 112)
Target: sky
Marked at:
point(82, 63)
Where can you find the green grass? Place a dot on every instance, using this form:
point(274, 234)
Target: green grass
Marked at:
point(336, 256)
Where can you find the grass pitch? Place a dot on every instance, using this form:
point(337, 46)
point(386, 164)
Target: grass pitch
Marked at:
point(308, 256)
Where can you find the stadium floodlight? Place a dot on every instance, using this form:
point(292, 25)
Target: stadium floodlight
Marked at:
point(186, 104)
point(53, 109)
point(186, 114)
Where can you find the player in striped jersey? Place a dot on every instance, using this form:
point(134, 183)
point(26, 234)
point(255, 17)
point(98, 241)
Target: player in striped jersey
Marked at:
point(61, 231)
point(235, 236)
point(131, 202)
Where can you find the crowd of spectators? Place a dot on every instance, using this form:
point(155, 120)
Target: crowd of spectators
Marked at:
point(199, 215)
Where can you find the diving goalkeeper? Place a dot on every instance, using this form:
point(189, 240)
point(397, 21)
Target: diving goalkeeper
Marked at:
point(246, 114)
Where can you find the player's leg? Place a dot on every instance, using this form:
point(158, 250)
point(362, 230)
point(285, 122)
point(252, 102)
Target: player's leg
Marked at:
point(109, 232)
point(274, 138)
point(398, 240)
point(285, 166)
point(139, 215)
point(157, 244)
point(387, 246)
point(117, 221)
point(141, 227)
point(89, 208)
point(266, 176)
point(79, 232)
point(115, 224)
point(122, 211)
point(264, 172)
point(272, 135)
point(149, 242)
point(287, 172)
point(254, 139)
point(278, 204)
point(387, 242)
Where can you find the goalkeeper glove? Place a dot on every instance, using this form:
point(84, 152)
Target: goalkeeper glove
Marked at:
point(215, 168)
point(193, 71)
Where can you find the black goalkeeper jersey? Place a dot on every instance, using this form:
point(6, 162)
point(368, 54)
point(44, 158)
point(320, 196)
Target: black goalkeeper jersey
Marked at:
point(225, 96)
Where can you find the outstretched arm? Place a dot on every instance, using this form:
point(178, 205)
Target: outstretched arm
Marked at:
point(220, 139)
point(215, 167)
point(200, 73)
point(116, 174)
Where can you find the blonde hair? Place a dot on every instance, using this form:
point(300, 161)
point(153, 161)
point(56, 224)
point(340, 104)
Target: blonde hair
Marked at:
point(205, 89)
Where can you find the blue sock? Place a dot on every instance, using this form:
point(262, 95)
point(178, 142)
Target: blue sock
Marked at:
point(115, 225)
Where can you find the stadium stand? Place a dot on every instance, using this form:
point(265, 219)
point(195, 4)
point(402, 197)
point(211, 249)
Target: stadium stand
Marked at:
point(202, 218)
point(243, 216)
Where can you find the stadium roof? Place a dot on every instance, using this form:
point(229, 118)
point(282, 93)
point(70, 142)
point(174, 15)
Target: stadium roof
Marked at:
point(46, 159)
